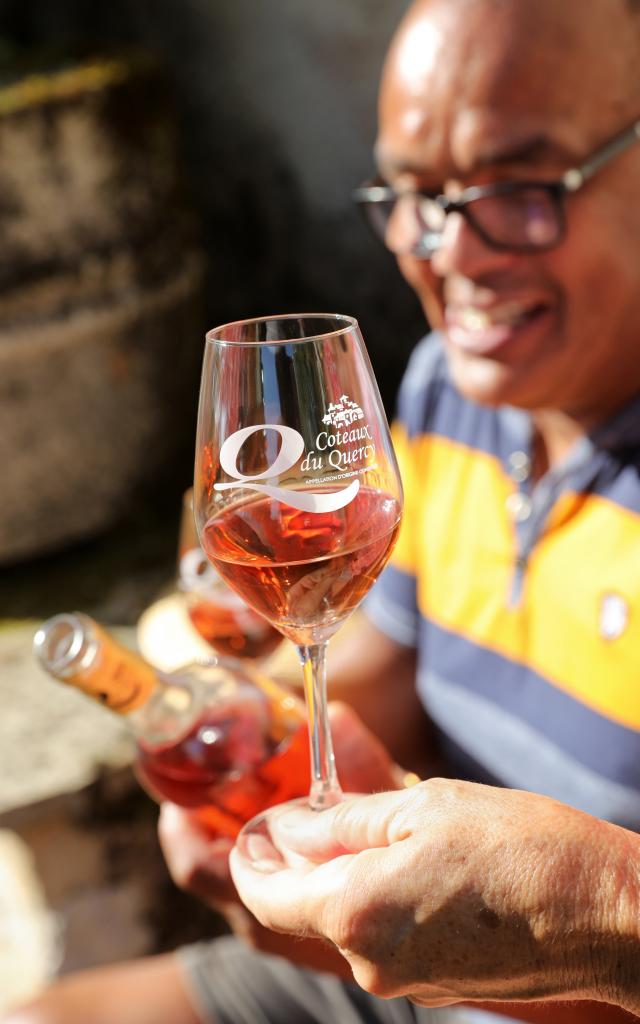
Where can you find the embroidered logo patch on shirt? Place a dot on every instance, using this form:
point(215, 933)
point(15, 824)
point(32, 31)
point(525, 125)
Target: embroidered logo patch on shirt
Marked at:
point(614, 616)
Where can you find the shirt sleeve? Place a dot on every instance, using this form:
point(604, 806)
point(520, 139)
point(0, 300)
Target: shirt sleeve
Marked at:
point(392, 605)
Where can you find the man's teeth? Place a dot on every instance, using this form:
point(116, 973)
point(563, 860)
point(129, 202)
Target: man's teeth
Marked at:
point(472, 319)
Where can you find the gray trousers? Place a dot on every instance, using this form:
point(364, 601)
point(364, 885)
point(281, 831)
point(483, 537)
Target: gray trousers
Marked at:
point(230, 984)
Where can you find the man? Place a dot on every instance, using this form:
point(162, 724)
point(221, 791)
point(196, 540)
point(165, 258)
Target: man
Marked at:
point(512, 593)
point(516, 575)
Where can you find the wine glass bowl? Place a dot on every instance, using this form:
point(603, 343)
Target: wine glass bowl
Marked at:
point(297, 495)
point(305, 572)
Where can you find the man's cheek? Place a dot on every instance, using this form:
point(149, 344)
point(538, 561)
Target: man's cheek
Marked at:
point(426, 285)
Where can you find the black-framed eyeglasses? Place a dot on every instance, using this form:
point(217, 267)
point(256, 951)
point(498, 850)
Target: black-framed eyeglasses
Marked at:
point(513, 216)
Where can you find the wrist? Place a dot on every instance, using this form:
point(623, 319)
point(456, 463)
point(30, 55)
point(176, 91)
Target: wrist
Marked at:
point(620, 977)
point(602, 937)
point(583, 898)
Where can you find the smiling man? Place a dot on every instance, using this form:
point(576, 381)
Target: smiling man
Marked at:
point(535, 281)
point(509, 153)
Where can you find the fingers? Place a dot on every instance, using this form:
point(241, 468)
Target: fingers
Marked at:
point(358, 823)
point(197, 861)
point(348, 869)
point(287, 899)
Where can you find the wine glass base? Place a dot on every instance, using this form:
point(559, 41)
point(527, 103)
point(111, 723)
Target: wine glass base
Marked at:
point(256, 841)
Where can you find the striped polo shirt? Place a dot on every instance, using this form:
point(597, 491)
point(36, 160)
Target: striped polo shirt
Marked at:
point(523, 600)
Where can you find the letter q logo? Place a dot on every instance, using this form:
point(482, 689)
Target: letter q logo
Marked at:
point(291, 449)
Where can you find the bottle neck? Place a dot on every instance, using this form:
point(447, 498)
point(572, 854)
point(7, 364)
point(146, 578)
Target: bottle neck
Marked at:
point(76, 650)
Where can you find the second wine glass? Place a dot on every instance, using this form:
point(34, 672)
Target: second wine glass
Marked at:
point(217, 613)
point(297, 495)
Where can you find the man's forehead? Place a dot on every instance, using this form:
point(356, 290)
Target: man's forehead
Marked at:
point(475, 139)
point(471, 83)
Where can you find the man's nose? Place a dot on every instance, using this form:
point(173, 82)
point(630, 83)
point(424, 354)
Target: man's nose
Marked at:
point(463, 251)
point(404, 230)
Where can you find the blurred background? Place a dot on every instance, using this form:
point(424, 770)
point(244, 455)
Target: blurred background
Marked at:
point(165, 166)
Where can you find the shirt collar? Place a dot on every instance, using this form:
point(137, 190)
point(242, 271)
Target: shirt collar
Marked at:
point(618, 432)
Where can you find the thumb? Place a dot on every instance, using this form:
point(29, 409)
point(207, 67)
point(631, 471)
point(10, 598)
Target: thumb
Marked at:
point(358, 823)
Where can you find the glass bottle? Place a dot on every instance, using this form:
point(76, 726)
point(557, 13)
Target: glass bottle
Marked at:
point(219, 737)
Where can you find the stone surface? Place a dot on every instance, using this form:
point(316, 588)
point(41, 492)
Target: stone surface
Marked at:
point(100, 322)
point(90, 162)
point(83, 883)
point(276, 104)
point(88, 404)
point(82, 879)
point(29, 940)
point(53, 739)
point(113, 577)
point(276, 110)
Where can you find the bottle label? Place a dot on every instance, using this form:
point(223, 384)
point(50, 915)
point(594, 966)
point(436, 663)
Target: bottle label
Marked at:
point(118, 679)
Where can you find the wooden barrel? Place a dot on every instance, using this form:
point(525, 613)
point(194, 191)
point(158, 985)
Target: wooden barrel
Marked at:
point(101, 313)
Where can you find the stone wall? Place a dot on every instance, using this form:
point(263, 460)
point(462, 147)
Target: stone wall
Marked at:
point(276, 110)
point(82, 879)
point(276, 102)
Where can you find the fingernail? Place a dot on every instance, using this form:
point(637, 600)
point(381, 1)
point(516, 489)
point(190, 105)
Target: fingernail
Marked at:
point(292, 821)
point(267, 867)
point(261, 853)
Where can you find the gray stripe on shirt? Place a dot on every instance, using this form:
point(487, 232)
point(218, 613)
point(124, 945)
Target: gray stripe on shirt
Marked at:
point(521, 757)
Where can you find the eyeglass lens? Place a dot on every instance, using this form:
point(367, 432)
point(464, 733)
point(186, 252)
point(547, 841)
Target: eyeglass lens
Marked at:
point(528, 218)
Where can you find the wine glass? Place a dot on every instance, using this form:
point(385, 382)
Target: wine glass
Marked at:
point(297, 494)
point(217, 613)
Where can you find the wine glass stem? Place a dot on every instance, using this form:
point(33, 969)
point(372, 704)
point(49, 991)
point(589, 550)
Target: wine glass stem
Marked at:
point(325, 788)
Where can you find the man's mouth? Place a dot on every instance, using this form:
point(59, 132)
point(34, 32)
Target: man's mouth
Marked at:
point(483, 330)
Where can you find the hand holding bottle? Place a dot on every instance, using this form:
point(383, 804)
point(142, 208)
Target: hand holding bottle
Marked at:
point(199, 861)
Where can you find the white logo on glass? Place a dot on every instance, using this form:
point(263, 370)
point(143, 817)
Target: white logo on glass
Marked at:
point(343, 413)
point(291, 449)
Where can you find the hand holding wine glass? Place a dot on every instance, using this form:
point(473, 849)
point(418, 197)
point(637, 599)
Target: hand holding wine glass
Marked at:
point(297, 495)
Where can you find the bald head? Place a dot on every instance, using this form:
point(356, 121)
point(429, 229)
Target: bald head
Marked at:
point(459, 66)
point(606, 33)
point(479, 91)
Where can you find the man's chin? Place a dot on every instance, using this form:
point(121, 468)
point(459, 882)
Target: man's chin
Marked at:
point(485, 381)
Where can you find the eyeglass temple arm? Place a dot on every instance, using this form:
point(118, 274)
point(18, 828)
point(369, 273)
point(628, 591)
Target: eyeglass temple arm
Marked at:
point(575, 178)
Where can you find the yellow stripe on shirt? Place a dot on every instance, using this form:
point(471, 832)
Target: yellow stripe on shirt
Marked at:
point(457, 529)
